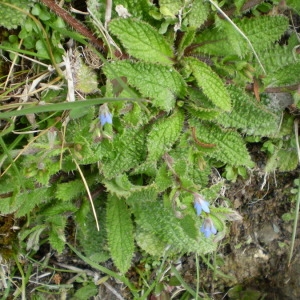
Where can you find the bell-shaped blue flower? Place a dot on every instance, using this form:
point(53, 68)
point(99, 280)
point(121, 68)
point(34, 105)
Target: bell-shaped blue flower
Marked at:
point(200, 204)
point(208, 228)
point(104, 115)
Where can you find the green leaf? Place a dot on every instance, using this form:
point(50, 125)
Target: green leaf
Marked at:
point(170, 8)
point(161, 84)
point(119, 186)
point(230, 147)
point(188, 225)
point(265, 30)
point(92, 241)
point(295, 4)
point(11, 18)
point(56, 241)
point(85, 77)
point(198, 13)
point(239, 4)
point(287, 75)
point(218, 223)
point(248, 115)
point(163, 135)
point(150, 243)
point(283, 159)
point(210, 83)
point(287, 160)
point(147, 193)
point(278, 57)
point(138, 9)
point(57, 237)
point(154, 219)
point(58, 207)
point(261, 31)
point(163, 178)
point(123, 156)
point(30, 199)
point(186, 41)
point(86, 292)
point(69, 190)
point(119, 233)
point(142, 41)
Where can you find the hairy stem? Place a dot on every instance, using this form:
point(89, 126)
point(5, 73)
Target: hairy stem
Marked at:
point(78, 26)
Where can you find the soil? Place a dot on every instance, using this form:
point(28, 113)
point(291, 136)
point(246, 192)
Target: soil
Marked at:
point(254, 258)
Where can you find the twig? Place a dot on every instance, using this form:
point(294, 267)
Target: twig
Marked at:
point(108, 12)
point(296, 128)
point(88, 192)
point(112, 290)
point(240, 32)
point(78, 26)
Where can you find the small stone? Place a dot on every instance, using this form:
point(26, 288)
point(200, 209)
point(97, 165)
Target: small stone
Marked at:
point(267, 234)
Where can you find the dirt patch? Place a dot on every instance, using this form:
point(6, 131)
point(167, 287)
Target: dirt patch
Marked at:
point(254, 257)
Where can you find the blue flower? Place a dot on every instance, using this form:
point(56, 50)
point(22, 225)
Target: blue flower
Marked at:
point(105, 115)
point(200, 204)
point(208, 228)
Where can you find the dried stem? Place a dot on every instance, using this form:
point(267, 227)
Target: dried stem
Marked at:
point(78, 26)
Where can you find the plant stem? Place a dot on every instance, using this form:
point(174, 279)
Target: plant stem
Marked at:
point(198, 279)
point(240, 32)
point(78, 26)
point(106, 271)
point(296, 123)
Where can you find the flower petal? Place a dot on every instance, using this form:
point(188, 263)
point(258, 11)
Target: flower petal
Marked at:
point(208, 228)
point(205, 206)
point(198, 208)
point(105, 117)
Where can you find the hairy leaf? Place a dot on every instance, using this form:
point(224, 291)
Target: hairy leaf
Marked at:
point(163, 178)
point(120, 186)
point(210, 82)
point(69, 190)
point(261, 31)
point(123, 155)
point(287, 160)
point(265, 30)
point(88, 291)
point(295, 4)
point(230, 147)
point(58, 207)
point(161, 222)
point(198, 13)
point(186, 41)
point(12, 18)
point(57, 237)
point(200, 106)
point(85, 77)
point(119, 233)
point(277, 57)
point(137, 8)
point(161, 84)
point(248, 115)
point(284, 160)
point(147, 193)
point(142, 41)
point(33, 241)
point(170, 8)
point(92, 241)
point(285, 76)
point(150, 243)
point(163, 135)
point(28, 200)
